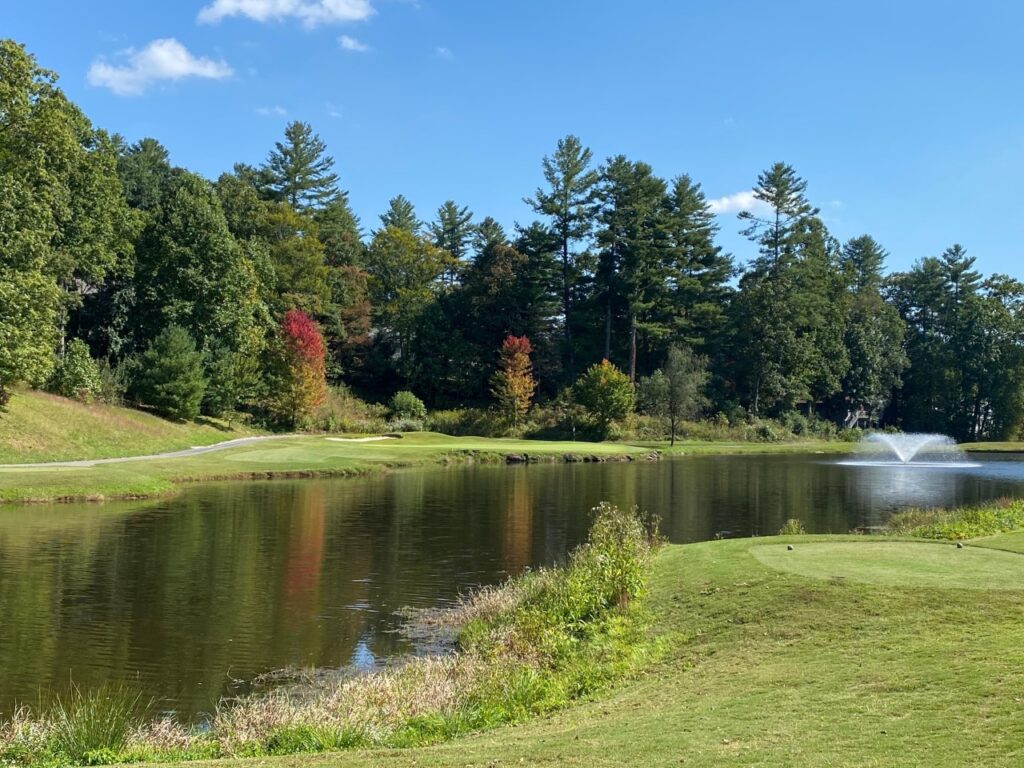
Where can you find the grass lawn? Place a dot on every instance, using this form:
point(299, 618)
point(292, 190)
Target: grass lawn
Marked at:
point(768, 667)
point(37, 426)
point(312, 455)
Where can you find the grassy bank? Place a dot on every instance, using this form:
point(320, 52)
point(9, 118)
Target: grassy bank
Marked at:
point(37, 426)
point(306, 456)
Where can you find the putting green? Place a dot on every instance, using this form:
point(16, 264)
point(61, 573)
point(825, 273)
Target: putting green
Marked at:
point(897, 563)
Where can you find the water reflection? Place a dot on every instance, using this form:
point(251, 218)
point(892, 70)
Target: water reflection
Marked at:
point(188, 596)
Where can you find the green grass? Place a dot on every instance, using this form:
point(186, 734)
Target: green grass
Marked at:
point(37, 426)
point(770, 668)
point(898, 563)
point(307, 456)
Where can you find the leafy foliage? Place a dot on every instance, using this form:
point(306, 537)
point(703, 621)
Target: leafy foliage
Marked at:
point(405, 405)
point(77, 375)
point(301, 383)
point(606, 393)
point(513, 385)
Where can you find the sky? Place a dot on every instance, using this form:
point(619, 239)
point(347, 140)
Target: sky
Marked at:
point(906, 118)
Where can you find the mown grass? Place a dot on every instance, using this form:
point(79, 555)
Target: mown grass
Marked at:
point(529, 648)
point(36, 426)
point(305, 456)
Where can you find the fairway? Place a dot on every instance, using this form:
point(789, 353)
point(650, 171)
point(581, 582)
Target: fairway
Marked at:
point(898, 564)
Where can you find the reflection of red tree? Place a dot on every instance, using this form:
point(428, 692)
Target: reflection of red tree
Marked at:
point(517, 538)
point(305, 550)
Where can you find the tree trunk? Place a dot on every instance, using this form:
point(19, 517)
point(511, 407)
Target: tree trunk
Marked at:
point(570, 356)
point(608, 328)
point(632, 348)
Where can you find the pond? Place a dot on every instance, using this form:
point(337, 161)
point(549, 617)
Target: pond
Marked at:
point(191, 598)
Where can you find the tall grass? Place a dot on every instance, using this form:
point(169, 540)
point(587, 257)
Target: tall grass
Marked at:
point(999, 516)
point(531, 646)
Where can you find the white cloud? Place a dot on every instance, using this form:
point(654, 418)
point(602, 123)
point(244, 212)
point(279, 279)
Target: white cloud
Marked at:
point(351, 44)
point(444, 53)
point(309, 12)
point(165, 59)
point(741, 201)
point(271, 111)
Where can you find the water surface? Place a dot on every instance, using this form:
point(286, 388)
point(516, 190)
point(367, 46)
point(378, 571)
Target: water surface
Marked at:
point(191, 597)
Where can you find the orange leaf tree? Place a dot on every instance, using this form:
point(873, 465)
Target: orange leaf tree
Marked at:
point(513, 384)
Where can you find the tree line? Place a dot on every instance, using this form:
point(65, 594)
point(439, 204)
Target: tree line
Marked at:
point(255, 291)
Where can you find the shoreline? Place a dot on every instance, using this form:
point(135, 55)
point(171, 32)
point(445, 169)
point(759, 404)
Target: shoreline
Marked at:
point(290, 457)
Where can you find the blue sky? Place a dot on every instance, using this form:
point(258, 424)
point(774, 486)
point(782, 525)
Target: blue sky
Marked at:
point(906, 118)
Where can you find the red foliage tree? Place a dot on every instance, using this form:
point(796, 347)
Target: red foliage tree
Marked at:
point(303, 384)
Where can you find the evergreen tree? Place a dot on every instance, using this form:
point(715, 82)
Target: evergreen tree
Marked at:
point(453, 232)
point(299, 171)
point(696, 291)
point(487, 234)
point(632, 241)
point(569, 203)
point(401, 215)
point(170, 374)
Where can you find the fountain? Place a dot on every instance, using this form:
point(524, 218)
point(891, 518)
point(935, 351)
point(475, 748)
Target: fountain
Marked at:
point(912, 449)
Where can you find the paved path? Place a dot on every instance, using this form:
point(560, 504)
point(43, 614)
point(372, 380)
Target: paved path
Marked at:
point(171, 455)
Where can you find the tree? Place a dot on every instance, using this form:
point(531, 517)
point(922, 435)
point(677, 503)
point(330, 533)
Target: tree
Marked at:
point(404, 270)
point(606, 393)
point(170, 374)
point(487, 234)
point(453, 232)
point(874, 331)
point(513, 384)
point(401, 215)
point(77, 374)
point(632, 241)
point(299, 171)
point(676, 393)
point(63, 220)
point(300, 384)
point(695, 293)
point(192, 273)
point(569, 204)
point(787, 343)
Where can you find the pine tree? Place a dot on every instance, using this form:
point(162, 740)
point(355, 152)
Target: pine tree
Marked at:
point(569, 203)
point(453, 232)
point(170, 374)
point(299, 170)
point(513, 384)
point(401, 215)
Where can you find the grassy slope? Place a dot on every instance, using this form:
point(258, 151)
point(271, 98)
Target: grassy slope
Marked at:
point(292, 456)
point(41, 427)
point(771, 668)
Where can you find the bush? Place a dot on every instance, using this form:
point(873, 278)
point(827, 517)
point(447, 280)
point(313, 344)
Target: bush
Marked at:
point(957, 524)
point(77, 375)
point(606, 393)
point(342, 411)
point(405, 405)
point(792, 527)
point(170, 374)
point(113, 383)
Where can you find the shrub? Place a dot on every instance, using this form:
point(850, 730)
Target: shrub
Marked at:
point(953, 525)
point(113, 382)
point(170, 374)
point(77, 374)
point(792, 527)
point(405, 405)
point(606, 393)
